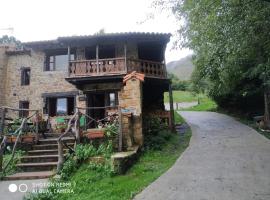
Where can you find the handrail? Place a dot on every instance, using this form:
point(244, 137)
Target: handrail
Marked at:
point(94, 60)
point(18, 109)
point(148, 61)
point(60, 142)
point(16, 142)
point(3, 143)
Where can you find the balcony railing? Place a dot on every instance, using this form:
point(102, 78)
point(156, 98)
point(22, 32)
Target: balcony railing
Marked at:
point(115, 66)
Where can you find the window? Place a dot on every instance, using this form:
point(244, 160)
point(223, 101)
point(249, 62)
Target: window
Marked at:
point(57, 62)
point(24, 105)
point(112, 99)
point(25, 76)
point(60, 106)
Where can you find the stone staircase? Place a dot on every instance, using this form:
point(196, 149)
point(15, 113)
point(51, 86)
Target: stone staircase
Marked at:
point(41, 161)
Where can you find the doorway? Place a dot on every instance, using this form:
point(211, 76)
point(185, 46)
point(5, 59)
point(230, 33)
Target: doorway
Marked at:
point(95, 100)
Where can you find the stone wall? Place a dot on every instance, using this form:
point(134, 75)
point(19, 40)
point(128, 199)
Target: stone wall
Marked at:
point(3, 71)
point(130, 98)
point(40, 81)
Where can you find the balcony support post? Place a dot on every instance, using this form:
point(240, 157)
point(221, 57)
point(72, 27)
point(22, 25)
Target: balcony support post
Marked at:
point(125, 52)
point(97, 49)
point(68, 60)
point(171, 108)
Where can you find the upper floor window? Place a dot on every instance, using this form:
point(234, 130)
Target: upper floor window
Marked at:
point(57, 62)
point(25, 76)
point(23, 105)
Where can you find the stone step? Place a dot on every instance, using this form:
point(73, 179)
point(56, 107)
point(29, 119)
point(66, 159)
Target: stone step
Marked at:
point(35, 167)
point(49, 146)
point(56, 135)
point(39, 158)
point(54, 140)
point(45, 152)
point(30, 175)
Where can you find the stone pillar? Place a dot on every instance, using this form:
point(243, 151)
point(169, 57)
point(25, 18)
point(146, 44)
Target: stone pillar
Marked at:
point(130, 98)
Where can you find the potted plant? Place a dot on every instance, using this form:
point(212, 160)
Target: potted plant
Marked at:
point(28, 138)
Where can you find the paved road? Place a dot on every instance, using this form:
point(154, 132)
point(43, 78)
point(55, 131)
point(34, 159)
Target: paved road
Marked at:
point(226, 160)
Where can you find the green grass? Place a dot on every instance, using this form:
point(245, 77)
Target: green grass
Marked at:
point(90, 184)
point(206, 104)
point(181, 96)
point(178, 118)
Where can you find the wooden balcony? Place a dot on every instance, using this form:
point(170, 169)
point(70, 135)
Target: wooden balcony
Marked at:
point(115, 66)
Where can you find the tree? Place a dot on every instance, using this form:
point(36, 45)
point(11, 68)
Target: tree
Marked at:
point(11, 40)
point(231, 42)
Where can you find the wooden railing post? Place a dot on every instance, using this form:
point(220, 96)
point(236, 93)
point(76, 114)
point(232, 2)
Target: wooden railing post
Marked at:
point(60, 155)
point(171, 107)
point(77, 126)
point(2, 123)
point(97, 49)
point(125, 52)
point(120, 144)
point(36, 127)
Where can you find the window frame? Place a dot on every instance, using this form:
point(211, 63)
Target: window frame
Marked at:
point(48, 62)
point(23, 113)
point(24, 81)
point(47, 108)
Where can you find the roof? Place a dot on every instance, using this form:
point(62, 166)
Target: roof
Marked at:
point(97, 38)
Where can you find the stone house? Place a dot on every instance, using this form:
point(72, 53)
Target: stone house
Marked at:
point(106, 70)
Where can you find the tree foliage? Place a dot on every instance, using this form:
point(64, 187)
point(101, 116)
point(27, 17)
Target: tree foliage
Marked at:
point(5, 39)
point(178, 84)
point(231, 42)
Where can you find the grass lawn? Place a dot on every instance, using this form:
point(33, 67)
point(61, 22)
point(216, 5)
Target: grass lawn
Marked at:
point(181, 96)
point(90, 184)
point(206, 104)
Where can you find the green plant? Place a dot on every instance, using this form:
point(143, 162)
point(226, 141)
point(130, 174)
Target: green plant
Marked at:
point(111, 130)
point(155, 133)
point(12, 166)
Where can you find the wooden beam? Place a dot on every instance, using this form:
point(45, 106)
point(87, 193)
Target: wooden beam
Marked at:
point(120, 144)
point(171, 107)
point(125, 52)
point(68, 59)
point(97, 50)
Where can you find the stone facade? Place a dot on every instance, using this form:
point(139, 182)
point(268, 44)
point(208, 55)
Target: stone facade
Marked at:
point(130, 98)
point(40, 81)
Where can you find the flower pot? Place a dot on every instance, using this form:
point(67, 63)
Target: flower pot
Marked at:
point(95, 133)
point(28, 139)
point(11, 139)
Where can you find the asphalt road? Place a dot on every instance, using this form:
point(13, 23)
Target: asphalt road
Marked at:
point(226, 160)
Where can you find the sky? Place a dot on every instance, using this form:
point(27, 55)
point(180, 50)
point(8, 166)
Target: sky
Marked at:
point(34, 20)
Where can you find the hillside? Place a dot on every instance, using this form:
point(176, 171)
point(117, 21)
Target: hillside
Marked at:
point(182, 68)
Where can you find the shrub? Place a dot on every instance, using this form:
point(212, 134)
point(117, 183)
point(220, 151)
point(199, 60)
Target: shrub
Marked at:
point(156, 133)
